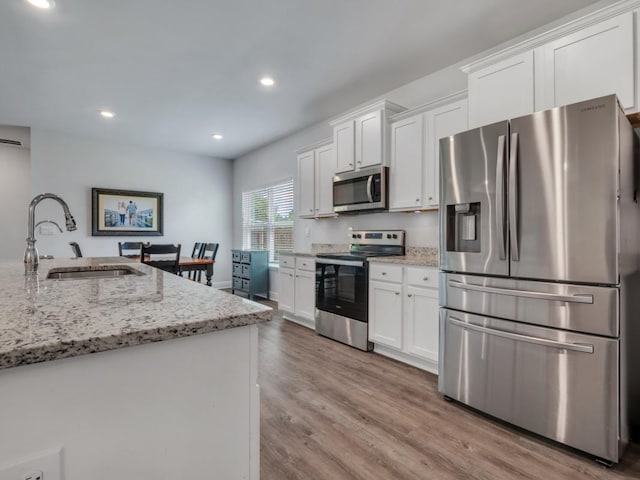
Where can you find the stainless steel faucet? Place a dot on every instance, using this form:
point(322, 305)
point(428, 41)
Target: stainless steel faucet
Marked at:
point(31, 253)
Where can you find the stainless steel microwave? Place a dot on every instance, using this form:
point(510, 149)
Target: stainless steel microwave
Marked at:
point(361, 191)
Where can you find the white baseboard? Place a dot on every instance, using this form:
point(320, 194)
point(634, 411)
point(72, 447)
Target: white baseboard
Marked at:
point(220, 285)
point(423, 364)
point(300, 321)
point(273, 296)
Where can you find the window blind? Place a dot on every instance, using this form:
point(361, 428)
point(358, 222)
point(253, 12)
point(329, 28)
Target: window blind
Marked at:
point(267, 219)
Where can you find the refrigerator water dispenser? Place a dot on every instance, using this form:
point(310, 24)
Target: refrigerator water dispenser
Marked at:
point(463, 225)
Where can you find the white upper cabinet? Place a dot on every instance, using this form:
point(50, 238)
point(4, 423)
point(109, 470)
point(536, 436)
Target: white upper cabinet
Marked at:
point(415, 151)
point(306, 183)
point(325, 169)
point(316, 167)
point(361, 137)
point(407, 163)
point(344, 142)
point(596, 61)
point(502, 90)
point(441, 122)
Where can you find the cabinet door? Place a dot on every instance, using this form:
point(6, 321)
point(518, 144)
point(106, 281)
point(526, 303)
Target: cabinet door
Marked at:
point(306, 182)
point(501, 91)
point(593, 62)
point(287, 288)
point(441, 122)
point(369, 139)
point(343, 142)
point(406, 169)
point(325, 169)
point(385, 314)
point(305, 294)
point(422, 322)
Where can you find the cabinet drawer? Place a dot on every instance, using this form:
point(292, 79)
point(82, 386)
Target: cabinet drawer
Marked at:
point(237, 269)
point(246, 271)
point(246, 284)
point(287, 261)
point(246, 257)
point(422, 277)
point(306, 263)
point(235, 256)
point(385, 272)
point(237, 283)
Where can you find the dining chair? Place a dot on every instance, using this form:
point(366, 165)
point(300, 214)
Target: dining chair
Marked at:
point(167, 256)
point(195, 253)
point(129, 249)
point(76, 249)
point(209, 252)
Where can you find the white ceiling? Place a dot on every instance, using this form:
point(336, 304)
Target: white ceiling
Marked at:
point(176, 71)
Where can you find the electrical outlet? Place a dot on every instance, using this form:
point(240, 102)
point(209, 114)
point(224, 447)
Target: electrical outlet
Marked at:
point(33, 475)
point(45, 465)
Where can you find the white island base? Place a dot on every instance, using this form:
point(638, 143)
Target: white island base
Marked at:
point(182, 408)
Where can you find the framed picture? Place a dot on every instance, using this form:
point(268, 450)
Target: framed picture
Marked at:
point(125, 212)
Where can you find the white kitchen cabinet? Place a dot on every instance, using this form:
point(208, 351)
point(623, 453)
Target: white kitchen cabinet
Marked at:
point(361, 137)
point(415, 151)
point(385, 313)
point(502, 90)
point(406, 170)
point(297, 289)
point(595, 61)
point(404, 313)
point(316, 167)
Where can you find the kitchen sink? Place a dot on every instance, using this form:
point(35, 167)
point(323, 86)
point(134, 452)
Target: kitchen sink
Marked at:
point(103, 271)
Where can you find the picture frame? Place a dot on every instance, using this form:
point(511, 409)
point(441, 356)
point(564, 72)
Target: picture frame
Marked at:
point(126, 213)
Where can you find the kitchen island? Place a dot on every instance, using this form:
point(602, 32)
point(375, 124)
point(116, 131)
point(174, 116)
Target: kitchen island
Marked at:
point(146, 375)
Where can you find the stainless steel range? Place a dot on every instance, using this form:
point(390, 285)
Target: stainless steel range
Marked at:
point(342, 285)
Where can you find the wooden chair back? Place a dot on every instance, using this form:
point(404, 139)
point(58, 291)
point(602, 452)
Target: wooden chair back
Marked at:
point(167, 256)
point(129, 249)
point(209, 252)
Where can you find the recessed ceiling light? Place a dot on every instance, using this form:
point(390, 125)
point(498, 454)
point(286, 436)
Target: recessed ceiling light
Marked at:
point(217, 136)
point(107, 113)
point(45, 4)
point(267, 81)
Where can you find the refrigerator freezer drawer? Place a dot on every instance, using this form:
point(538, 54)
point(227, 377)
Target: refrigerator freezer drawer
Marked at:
point(579, 308)
point(561, 385)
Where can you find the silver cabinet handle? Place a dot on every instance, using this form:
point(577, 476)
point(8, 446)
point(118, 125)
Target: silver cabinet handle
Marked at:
point(576, 347)
point(502, 250)
point(576, 298)
point(513, 198)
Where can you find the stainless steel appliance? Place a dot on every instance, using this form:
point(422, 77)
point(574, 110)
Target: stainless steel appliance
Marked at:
point(362, 191)
point(540, 264)
point(342, 285)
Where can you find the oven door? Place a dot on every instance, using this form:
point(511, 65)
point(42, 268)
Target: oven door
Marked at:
point(362, 190)
point(341, 287)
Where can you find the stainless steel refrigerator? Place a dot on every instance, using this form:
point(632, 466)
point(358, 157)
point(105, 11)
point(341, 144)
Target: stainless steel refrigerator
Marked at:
point(539, 258)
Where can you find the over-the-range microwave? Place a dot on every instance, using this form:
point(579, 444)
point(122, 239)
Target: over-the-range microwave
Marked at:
point(362, 191)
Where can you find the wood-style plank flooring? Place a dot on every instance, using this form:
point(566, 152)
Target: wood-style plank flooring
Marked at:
point(331, 412)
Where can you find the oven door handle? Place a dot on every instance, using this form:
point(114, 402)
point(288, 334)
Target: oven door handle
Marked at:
point(369, 185)
point(332, 261)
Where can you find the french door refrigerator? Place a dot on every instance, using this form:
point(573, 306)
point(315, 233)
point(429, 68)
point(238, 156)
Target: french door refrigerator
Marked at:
point(539, 259)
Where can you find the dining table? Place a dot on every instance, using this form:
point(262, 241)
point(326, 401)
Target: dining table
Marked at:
point(190, 264)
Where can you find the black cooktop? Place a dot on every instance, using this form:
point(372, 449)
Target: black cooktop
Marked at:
point(359, 255)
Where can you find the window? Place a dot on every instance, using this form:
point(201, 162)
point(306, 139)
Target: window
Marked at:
point(267, 219)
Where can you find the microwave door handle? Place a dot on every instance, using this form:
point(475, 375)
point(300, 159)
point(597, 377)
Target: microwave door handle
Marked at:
point(502, 250)
point(369, 187)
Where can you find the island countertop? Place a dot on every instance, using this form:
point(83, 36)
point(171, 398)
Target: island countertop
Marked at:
point(43, 319)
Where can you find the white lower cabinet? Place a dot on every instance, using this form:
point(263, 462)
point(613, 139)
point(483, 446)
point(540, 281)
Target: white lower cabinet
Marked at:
point(297, 295)
point(404, 314)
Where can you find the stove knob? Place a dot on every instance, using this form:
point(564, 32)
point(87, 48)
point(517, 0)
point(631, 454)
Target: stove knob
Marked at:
point(395, 236)
point(354, 236)
point(388, 235)
point(359, 236)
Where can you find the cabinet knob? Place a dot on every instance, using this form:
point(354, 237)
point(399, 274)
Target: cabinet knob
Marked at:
point(359, 161)
point(384, 273)
point(425, 278)
point(351, 164)
point(397, 293)
point(417, 199)
point(410, 295)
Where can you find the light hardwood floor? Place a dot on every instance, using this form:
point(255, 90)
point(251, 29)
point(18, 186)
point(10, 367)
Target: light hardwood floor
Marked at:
point(331, 412)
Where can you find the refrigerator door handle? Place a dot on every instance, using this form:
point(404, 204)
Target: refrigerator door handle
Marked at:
point(502, 250)
point(576, 347)
point(576, 298)
point(513, 197)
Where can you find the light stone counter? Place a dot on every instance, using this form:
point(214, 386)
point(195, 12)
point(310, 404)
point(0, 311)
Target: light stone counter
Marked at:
point(43, 320)
point(418, 256)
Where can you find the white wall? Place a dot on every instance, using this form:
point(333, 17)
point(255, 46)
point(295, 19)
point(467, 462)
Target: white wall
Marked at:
point(15, 188)
point(197, 193)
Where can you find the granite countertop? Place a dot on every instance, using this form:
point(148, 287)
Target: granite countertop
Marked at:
point(43, 320)
point(418, 256)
